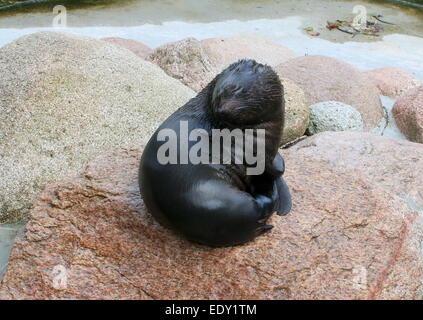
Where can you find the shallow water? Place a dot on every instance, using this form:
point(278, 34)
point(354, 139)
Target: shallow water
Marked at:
point(8, 232)
point(405, 52)
point(40, 5)
point(139, 12)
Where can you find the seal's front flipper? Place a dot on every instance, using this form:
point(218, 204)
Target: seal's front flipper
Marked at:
point(277, 167)
point(284, 203)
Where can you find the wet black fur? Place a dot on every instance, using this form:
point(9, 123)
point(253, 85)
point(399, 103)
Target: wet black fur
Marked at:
point(217, 204)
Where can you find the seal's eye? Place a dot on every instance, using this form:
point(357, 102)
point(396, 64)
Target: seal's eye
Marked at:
point(231, 91)
point(238, 91)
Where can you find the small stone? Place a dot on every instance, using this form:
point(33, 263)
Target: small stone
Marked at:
point(334, 116)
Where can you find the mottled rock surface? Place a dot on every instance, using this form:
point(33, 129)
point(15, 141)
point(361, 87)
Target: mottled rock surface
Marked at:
point(392, 164)
point(140, 49)
point(186, 61)
point(224, 51)
point(346, 238)
point(297, 112)
point(328, 79)
point(408, 114)
point(195, 63)
point(65, 99)
point(334, 116)
point(392, 82)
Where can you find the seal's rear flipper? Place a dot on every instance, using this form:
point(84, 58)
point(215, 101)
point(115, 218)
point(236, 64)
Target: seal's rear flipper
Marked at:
point(284, 203)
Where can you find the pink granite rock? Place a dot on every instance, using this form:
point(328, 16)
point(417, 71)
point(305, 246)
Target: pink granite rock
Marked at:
point(224, 51)
point(408, 113)
point(392, 82)
point(90, 237)
point(196, 63)
point(394, 165)
point(136, 47)
point(186, 61)
point(328, 79)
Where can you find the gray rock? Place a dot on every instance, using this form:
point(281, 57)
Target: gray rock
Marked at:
point(63, 100)
point(297, 112)
point(334, 116)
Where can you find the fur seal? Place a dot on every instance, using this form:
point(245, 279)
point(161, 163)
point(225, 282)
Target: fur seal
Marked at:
point(220, 204)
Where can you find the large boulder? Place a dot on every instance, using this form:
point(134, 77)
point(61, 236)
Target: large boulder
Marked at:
point(392, 164)
point(140, 49)
point(224, 51)
point(392, 82)
point(297, 112)
point(328, 79)
point(65, 99)
point(90, 237)
point(334, 116)
point(195, 63)
point(408, 114)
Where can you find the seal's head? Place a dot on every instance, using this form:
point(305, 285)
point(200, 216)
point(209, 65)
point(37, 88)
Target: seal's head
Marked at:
point(247, 93)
